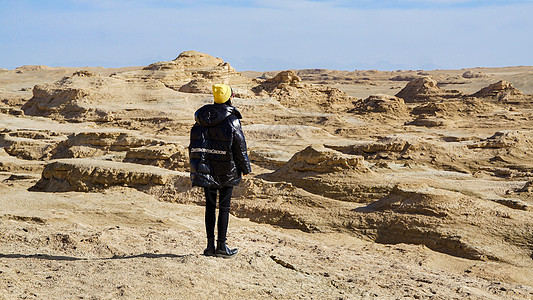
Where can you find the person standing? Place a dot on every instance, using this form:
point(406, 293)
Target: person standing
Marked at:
point(218, 159)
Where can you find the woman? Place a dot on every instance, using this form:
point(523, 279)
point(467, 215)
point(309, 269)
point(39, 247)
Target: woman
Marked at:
point(218, 159)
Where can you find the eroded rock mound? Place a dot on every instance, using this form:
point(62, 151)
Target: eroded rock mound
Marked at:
point(464, 108)
point(268, 158)
point(200, 86)
point(409, 77)
point(330, 173)
point(508, 153)
point(381, 104)
point(63, 98)
point(88, 97)
point(324, 160)
point(13, 102)
point(430, 121)
point(114, 145)
point(273, 132)
point(84, 73)
point(450, 112)
point(450, 222)
point(168, 156)
point(29, 144)
point(98, 143)
point(187, 67)
point(11, 111)
point(407, 148)
point(527, 188)
point(282, 204)
point(387, 147)
point(281, 80)
point(187, 60)
point(31, 68)
point(471, 74)
point(87, 175)
point(288, 88)
point(504, 92)
point(507, 139)
point(498, 90)
point(285, 77)
point(10, 163)
point(425, 89)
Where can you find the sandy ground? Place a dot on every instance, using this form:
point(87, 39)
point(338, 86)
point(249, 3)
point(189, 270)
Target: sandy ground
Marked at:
point(123, 243)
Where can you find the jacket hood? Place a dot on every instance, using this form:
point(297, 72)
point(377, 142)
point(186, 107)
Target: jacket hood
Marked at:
point(212, 114)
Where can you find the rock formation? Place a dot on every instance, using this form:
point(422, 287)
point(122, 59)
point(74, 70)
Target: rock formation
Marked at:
point(201, 86)
point(386, 147)
point(405, 77)
point(93, 175)
point(471, 74)
point(281, 80)
point(390, 105)
point(507, 139)
point(429, 121)
point(498, 90)
point(332, 174)
point(168, 156)
point(505, 93)
point(76, 97)
point(284, 77)
point(189, 66)
point(31, 68)
point(86, 97)
point(508, 153)
point(449, 222)
point(84, 73)
point(454, 109)
point(29, 144)
point(98, 143)
point(408, 149)
point(425, 89)
point(288, 88)
point(268, 158)
point(323, 160)
point(11, 111)
point(187, 60)
point(13, 164)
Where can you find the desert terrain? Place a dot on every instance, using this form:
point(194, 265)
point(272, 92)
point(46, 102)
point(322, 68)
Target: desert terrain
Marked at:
point(366, 184)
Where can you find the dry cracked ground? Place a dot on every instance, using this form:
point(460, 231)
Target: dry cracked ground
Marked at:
point(365, 184)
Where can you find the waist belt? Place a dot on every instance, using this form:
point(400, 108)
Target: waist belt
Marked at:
point(210, 151)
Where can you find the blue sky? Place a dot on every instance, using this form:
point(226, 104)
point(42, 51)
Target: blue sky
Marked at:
point(269, 34)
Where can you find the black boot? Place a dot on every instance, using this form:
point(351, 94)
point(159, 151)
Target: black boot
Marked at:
point(210, 250)
point(224, 251)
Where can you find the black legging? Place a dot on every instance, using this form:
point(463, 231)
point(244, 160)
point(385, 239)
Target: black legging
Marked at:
point(223, 211)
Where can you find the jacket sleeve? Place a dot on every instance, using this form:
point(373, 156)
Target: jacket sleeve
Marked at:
point(238, 147)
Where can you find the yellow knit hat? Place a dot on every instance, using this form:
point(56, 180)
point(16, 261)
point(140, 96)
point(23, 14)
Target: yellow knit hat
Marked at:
point(221, 93)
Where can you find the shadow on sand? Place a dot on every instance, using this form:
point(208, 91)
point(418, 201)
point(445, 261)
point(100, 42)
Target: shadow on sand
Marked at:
point(71, 258)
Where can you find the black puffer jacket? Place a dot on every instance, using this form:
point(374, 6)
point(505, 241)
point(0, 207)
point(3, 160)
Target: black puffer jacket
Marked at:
point(217, 151)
